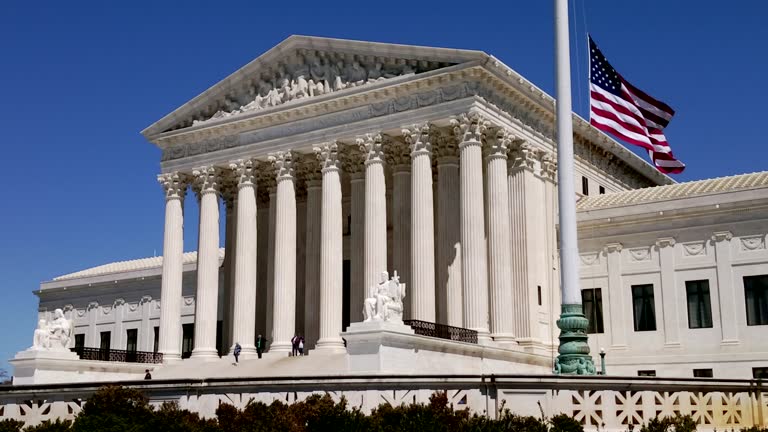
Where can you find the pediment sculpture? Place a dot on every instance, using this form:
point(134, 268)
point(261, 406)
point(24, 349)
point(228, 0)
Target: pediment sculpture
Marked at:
point(385, 300)
point(54, 335)
point(313, 74)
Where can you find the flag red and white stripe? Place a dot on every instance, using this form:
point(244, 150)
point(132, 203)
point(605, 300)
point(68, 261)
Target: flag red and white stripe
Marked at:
point(621, 109)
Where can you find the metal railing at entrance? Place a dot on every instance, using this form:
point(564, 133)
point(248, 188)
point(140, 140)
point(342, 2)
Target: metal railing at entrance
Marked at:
point(113, 355)
point(442, 331)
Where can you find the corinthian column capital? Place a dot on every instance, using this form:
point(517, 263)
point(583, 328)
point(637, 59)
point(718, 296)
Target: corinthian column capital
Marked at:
point(244, 171)
point(174, 184)
point(371, 146)
point(548, 166)
point(418, 139)
point(497, 143)
point(522, 155)
point(283, 165)
point(352, 160)
point(328, 156)
point(469, 128)
point(397, 155)
point(207, 180)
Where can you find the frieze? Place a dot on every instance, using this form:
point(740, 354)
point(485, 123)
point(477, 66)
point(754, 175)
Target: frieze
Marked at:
point(514, 105)
point(640, 254)
point(752, 243)
point(694, 249)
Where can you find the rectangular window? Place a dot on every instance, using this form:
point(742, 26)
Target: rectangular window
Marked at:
point(702, 373)
point(602, 190)
point(584, 185)
point(699, 307)
point(156, 344)
point(646, 373)
point(760, 372)
point(132, 339)
point(105, 342)
point(187, 340)
point(643, 308)
point(592, 299)
point(80, 341)
point(756, 296)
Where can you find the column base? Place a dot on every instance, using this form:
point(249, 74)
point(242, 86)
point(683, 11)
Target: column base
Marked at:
point(504, 340)
point(331, 345)
point(574, 358)
point(205, 354)
point(281, 347)
point(171, 357)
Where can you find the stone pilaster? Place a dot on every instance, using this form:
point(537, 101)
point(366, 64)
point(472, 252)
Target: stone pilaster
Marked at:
point(284, 311)
point(499, 273)
point(616, 310)
point(207, 183)
point(449, 291)
point(375, 249)
point(244, 316)
point(670, 308)
point(726, 291)
point(331, 251)
point(422, 233)
point(469, 129)
point(399, 159)
point(310, 171)
point(353, 164)
point(175, 187)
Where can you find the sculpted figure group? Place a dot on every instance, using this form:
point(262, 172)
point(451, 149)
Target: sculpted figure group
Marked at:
point(55, 335)
point(313, 75)
point(385, 300)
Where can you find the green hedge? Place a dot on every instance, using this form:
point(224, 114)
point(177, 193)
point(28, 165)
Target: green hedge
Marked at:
point(118, 409)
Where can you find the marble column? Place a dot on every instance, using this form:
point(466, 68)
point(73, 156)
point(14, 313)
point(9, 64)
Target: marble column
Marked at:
point(313, 178)
point(469, 129)
point(265, 177)
point(207, 187)
point(331, 251)
point(284, 301)
point(352, 161)
point(244, 317)
point(422, 290)
point(227, 296)
point(449, 291)
point(398, 158)
point(499, 272)
point(375, 249)
point(175, 186)
point(269, 312)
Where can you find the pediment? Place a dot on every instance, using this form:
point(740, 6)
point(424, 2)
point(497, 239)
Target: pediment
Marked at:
point(303, 67)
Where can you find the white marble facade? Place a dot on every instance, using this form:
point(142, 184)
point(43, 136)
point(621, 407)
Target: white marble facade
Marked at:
point(337, 160)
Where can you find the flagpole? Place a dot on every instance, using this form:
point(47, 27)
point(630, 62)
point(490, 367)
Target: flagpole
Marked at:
point(573, 351)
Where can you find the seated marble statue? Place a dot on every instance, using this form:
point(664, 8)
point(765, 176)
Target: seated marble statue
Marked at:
point(385, 300)
point(55, 335)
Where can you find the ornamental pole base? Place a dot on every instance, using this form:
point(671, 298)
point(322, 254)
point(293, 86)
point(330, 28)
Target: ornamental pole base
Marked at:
point(573, 358)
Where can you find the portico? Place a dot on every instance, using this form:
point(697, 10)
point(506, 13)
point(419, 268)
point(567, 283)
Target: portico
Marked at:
point(353, 158)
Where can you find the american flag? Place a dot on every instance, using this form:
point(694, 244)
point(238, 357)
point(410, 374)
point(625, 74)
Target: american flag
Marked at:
point(619, 108)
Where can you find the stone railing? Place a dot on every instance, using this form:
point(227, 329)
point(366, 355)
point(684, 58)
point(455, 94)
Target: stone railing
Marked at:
point(113, 355)
point(442, 331)
point(604, 403)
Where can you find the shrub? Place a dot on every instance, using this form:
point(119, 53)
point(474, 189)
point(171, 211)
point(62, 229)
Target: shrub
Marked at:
point(563, 423)
point(115, 409)
point(11, 426)
point(47, 426)
point(677, 423)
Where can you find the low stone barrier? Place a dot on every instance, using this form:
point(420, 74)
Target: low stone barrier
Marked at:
point(607, 403)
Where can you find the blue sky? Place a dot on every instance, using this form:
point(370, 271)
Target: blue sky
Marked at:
point(79, 80)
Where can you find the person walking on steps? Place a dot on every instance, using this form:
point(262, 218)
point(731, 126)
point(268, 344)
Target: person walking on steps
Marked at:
point(295, 345)
point(301, 345)
point(260, 343)
point(236, 352)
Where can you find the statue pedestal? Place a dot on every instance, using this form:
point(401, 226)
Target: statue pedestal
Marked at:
point(377, 346)
point(35, 366)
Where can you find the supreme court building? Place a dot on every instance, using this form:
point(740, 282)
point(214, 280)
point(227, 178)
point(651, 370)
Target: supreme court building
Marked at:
point(329, 161)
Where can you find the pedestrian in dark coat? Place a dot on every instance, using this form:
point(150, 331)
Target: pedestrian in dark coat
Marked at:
point(261, 343)
point(236, 352)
